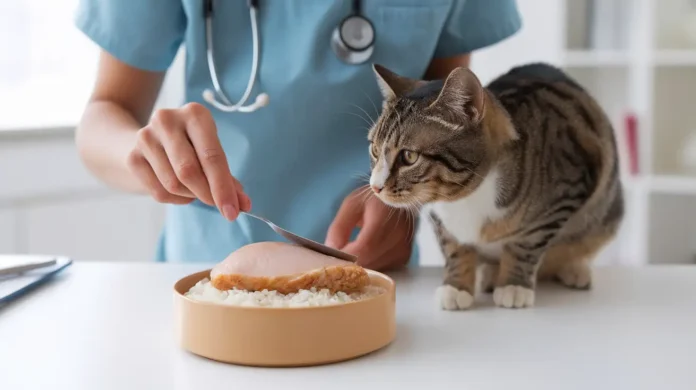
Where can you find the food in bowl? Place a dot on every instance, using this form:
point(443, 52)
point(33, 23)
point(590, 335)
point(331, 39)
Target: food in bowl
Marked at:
point(204, 291)
point(286, 268)
point(276, 274)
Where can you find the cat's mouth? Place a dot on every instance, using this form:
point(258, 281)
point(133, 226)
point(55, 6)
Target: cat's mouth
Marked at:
point(401, 200)
point(410, 199)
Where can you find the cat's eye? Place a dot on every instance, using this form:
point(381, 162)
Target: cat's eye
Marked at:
point(408, 157)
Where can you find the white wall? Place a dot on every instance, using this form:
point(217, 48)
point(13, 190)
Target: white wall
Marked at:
point(538, 40)
point(50, 204)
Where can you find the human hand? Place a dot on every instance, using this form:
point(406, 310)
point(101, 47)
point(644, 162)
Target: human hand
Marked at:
point(178, 157)
point(385, 237)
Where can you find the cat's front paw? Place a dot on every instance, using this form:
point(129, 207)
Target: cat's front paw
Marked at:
point(513, 296)
point(450, 298)
point(576, 275)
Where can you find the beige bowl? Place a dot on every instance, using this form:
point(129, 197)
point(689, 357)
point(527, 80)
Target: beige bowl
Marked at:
point(283, 337)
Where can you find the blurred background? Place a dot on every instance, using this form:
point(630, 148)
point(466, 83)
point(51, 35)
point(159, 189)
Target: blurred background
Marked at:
point(637, 57)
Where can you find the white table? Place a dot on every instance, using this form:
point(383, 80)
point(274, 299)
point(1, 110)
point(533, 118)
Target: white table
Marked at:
point(91, 328)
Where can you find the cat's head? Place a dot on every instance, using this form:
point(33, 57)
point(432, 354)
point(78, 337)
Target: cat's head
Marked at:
point(435, 140)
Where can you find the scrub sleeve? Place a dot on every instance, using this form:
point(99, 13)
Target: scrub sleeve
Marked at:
point(145, 34)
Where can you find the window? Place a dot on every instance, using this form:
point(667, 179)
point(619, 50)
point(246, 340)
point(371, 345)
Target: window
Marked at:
point(47, 66)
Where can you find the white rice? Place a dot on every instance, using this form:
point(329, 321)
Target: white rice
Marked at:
point(205, 292)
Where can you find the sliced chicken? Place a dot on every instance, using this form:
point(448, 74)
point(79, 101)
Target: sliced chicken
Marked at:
point(286, 268)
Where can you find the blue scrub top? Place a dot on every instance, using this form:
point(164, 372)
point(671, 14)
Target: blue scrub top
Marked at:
point(302, 154)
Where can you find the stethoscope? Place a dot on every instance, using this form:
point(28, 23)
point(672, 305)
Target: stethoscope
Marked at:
point(352, 41)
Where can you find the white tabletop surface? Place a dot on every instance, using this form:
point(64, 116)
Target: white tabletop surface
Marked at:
point(109, 326)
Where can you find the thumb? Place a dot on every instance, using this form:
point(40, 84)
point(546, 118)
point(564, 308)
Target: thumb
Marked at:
point(348, 217)
point(369, 245)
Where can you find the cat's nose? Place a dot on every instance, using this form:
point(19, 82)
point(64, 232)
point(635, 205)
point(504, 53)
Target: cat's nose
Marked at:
point(377, 189)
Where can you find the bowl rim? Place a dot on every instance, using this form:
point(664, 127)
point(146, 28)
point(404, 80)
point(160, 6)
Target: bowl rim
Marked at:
point(391, 288)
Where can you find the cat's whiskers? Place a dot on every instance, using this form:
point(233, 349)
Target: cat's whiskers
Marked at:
point(371, 101)
point(408, 223)
point(369, 119)
point(412, 217)
point(426, 214)
point(398, 214)
point(474, 173)
point(361, 176)
point(438, 195)
point(391, 211)
point(364, 194)
point(412, 205)
point(369, 124)
point(398, 218)
point(364, 191)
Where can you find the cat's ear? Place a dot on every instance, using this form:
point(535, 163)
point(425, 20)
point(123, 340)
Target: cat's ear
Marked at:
point(391, 84)
point(463, 95)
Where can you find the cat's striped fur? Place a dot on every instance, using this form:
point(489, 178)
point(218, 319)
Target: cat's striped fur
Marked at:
point(521, 177)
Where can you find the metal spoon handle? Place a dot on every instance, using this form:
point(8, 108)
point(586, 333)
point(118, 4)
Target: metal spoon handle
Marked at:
point(305, 242)
point(259, 218)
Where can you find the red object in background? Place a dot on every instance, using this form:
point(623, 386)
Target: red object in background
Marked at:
point(631, 126)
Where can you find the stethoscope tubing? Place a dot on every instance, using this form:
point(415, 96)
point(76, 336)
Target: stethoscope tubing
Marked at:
point(343, 50)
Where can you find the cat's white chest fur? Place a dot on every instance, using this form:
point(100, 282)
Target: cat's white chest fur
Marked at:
point(465, 217)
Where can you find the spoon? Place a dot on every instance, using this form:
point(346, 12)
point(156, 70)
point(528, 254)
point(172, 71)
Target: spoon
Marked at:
point(305, 242)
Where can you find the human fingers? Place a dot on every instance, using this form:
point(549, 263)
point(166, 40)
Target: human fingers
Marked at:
point(142, 169)
point(170, 128)
point(150, 147)
point(372, 242)
point(385, 239)
point(349, 216)
point(202, 132)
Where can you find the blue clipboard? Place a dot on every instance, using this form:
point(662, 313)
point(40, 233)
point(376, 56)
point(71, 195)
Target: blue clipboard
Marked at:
point(15, 285)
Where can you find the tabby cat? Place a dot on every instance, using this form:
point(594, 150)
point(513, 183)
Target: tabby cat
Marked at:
point(520, 178)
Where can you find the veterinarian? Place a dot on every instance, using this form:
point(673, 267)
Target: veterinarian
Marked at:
point(279, 96)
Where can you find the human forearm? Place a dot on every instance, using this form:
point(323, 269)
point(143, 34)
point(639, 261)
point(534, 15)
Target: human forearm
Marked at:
point(120, 105)
point(439, 68)
point(104, 138)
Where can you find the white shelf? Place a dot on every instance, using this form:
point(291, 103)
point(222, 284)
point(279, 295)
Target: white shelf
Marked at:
point(608, 58)
point(651, 74)
point(594, 58)
point(675, 58)
point(672, 184)
point(662, 184)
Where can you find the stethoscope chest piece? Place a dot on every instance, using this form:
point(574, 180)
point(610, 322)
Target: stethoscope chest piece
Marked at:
point(353, 39)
